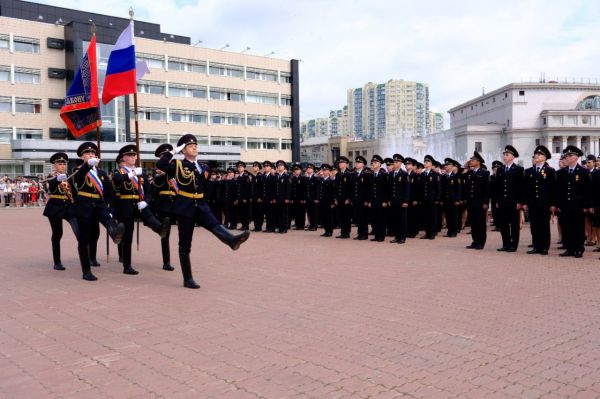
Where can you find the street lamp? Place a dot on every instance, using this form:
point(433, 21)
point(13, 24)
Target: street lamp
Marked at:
point(271, 53)
point(197, 43)
point(244, 50)
point(224, 47)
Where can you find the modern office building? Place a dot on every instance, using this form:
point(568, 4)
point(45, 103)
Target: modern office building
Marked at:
point(241, 106)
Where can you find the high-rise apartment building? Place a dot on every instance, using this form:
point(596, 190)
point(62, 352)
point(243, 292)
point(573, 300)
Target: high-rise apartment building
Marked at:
point(241, 106)
point(397, 107)
point(436, 121)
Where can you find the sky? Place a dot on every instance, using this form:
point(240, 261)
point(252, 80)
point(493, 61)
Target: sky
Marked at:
point(459, 48)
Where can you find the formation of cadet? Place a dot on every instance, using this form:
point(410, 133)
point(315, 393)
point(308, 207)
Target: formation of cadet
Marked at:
point(395, 197)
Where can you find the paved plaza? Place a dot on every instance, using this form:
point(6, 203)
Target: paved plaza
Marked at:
point(297, 316)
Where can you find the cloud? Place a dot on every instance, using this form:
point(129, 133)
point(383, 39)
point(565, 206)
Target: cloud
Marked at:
point(455, 47)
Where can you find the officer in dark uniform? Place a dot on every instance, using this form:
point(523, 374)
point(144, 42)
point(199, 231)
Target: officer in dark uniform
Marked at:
point(343, 205)
point(131, 203)
point(269, 186)
point(164, 191)
point(361, 194)
point(312, 197)
point(190, 206)
point(495, 166)
point(93, 189)
point(508, 193)
point(379, 198)
point(326, 200)
point(229, 199)
point(573, 190)
point(256, 194)
point(282, 196)
point(412, 212)
point(243, 199)
point(477, 196)
point(540, 199)
point(58, 206)
point(430, 197)
point(389, 226)
point(451, 195)
point(298, 194)
point(214, 191)
point(399, 198)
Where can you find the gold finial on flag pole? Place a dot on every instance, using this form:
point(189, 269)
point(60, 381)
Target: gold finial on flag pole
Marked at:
point(93, 28)
point(130, 13)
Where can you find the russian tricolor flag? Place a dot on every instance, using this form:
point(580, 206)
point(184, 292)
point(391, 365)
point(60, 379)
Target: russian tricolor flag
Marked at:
point(120, 72)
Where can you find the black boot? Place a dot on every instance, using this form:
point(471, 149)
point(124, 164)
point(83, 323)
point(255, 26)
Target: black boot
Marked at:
point(166, 254)
point(56, 256)
point(127, 269)
point(162, 229)
point(92, 250)
point(234, 241)
point(115, 230)
point(84, 259)
point(186, 270)
point(120, 251)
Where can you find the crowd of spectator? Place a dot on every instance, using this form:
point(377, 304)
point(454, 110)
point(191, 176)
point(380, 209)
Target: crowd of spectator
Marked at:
point(22, 191)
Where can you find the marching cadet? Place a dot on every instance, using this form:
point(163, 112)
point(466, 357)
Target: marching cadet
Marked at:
point(412, 212)
point(243, 191)
point(540, 199)
point(477, 195)
point(508, 193)
point(379, 198)
point(451, 195)
point(361, 197)
point(312, 197)
point(256, 195)
point(573, 185)
point(58, 207)
point(298, 197)
point(229, 194)
point(282, 196)
point(93, 188)
point(343, 206)
point(269, 183)
point(326, 202)
point(430, 197)
point(131, 203)
point(164, 192)
point(399, 199)
point(190, 206)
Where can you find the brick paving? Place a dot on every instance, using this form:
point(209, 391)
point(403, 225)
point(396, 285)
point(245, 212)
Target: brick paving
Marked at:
point(297, 316)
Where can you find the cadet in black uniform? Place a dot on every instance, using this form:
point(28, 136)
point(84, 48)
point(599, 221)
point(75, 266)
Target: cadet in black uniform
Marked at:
point(131, 203)
point(508, 194)
point(495, 166)
point(412, 213)
point(379, 198)
point(477, 196)
point(164, 192)
point(214, 191)
point(540, 199)
point(190, 206)
point(243, 200)
point(312, 197)
point(343, 206)
point(573, 190)
point(430, 197)
point(326, 201)
point(269, 183)
point(281, 199)
point(389, 225)
point(256, 194)
point(361, 197)
point(298, 194)
point(399, 194)
point(229, 199)
point(58, 207)
point(93, 189)
point(451, 196)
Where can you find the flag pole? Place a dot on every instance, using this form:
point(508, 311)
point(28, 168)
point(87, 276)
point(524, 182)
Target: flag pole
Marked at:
point(138, 162)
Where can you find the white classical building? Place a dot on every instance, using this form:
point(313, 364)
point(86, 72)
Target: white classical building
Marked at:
point(523, 115)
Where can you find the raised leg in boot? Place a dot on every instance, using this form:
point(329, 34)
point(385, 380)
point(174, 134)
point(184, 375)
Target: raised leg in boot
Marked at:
point(232, 240)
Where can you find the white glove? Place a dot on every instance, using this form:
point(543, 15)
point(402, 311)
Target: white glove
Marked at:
point(61, 177)
point(138, 171)
point(178, 149)
point(142, 204)
point(93, 162)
